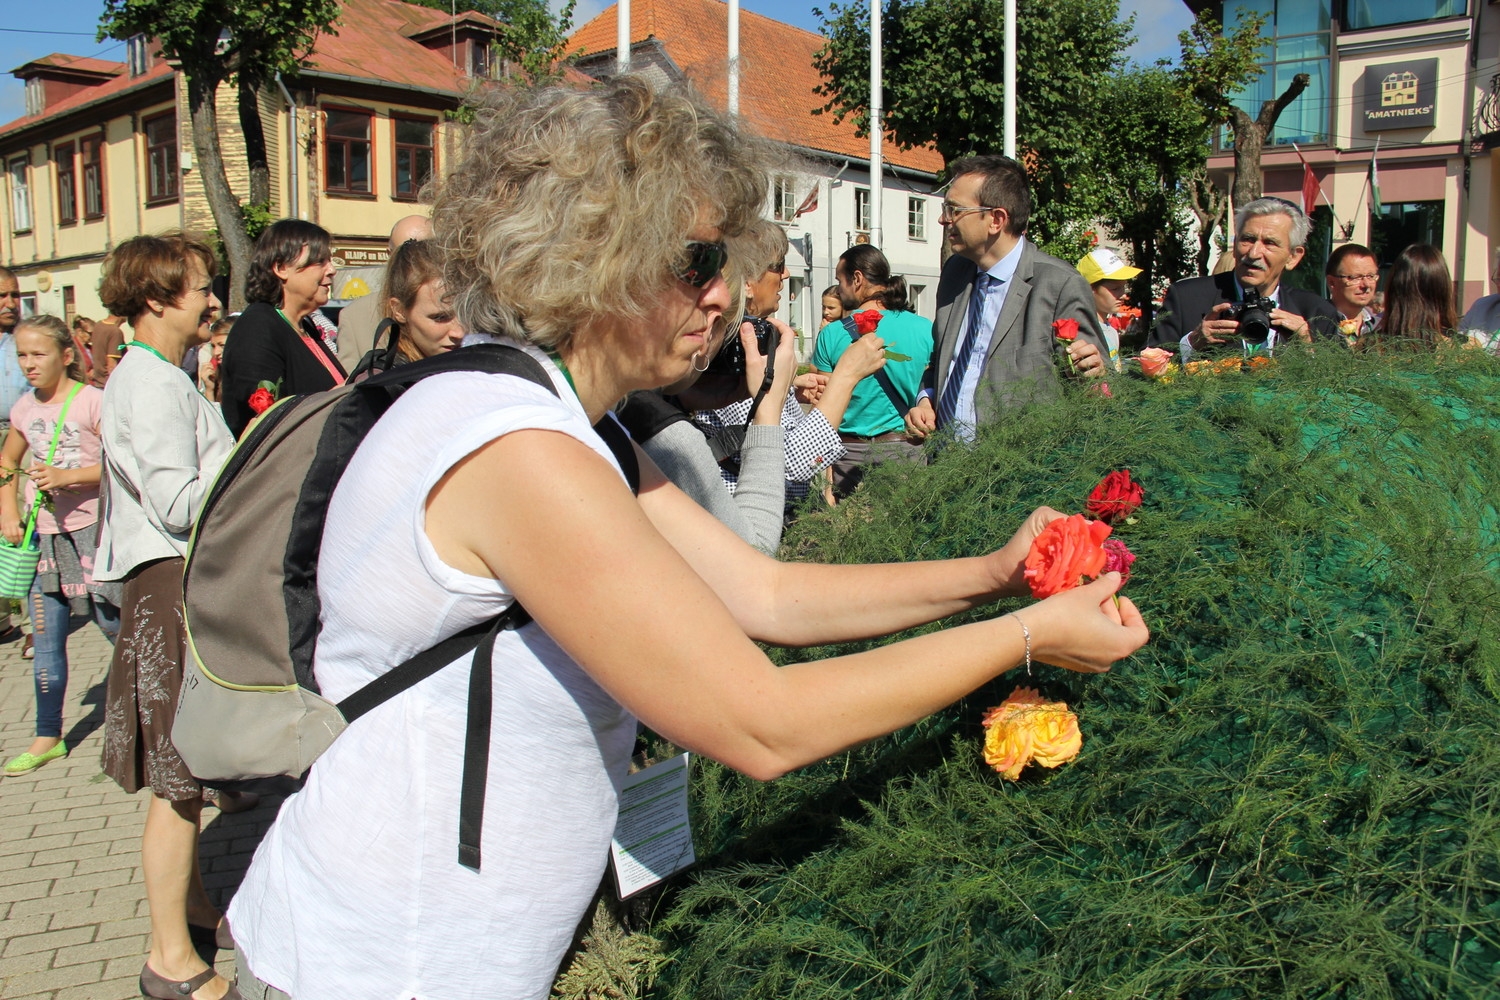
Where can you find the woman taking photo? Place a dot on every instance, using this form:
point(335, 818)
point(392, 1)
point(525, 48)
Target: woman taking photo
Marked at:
point(163, 445)
point(421, 317)
point(486, 490)
point(276, 346)
point(58, 422)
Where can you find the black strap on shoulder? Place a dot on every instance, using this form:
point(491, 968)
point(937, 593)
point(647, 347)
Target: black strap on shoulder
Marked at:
point(881, 376)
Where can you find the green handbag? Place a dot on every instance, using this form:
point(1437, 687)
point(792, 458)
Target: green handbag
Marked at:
point(18, 562)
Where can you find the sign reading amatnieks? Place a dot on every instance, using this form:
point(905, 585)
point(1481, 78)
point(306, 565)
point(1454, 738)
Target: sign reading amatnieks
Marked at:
point(1401, 95)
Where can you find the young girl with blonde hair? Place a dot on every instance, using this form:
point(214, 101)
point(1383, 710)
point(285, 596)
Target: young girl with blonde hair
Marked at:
point(58, 422)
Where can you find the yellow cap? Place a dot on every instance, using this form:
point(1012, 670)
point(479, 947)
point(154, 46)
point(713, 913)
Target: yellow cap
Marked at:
point(1103, 264)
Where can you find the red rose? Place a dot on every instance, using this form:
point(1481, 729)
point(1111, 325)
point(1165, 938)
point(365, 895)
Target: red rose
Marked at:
point(866, 322)
point(261, 400)
point(1065, 329)
point(1066, 551)
point(1117, 559)
point(1116, 497)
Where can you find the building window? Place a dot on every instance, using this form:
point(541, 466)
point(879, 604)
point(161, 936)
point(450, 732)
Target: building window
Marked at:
point(136, 55)
point(862, 209)
point(346, 152)
point(91, 152)
point(414, 155)
point(1299, 42)
point(916, 218)
point(783, 199)
point(1400, 225)
point(1378, 13)
point(20, 195)
point(67, 186)
point(914, 295)
point(36, 97)
point(70, 305)
point(161, 158)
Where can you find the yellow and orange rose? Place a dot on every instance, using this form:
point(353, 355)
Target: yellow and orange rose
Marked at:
point(1026, 729)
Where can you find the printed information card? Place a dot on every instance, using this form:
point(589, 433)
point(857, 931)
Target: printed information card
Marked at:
point(653, 839)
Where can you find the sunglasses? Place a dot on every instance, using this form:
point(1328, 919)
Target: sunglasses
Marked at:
point(779, 267)
point(705, 262)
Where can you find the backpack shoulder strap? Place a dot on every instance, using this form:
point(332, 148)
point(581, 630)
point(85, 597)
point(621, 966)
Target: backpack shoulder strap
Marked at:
point(614, 434)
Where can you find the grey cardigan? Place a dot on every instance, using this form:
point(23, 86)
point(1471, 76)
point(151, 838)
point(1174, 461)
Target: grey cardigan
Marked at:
point(163, 445)
point(754, 510)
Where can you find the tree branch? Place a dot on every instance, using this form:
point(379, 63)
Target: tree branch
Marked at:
point(1271, 110)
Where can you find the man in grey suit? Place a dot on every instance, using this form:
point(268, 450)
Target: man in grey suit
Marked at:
point(996, 301)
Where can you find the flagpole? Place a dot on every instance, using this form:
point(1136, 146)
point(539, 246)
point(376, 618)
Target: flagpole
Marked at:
point(877, 127)
point(622, 37)
point(734, 58)
point(1008, 67)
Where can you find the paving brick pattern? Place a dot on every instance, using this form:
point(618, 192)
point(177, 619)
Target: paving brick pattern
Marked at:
point(73, 916)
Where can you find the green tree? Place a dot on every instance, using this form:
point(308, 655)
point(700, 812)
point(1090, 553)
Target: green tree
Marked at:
point(943, 85)
point(1149, 140)
point(263, 37)
point(531, 44)
point(1215, 67)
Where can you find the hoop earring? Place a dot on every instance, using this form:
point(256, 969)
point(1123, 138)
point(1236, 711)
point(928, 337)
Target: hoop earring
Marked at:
point(695, 363)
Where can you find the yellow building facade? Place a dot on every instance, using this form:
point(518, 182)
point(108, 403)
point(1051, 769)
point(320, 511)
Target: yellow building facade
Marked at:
point(105, 151)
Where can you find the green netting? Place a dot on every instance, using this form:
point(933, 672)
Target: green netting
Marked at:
point(1292, 791)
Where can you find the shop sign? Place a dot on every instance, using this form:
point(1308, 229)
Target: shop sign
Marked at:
point(1401, 95)
point(358, 256)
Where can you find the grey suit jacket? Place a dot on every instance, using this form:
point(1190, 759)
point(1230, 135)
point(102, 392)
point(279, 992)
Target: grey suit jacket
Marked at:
point(1021, 365)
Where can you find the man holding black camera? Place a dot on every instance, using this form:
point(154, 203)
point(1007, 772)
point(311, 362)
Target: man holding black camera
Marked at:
point(1249, 309)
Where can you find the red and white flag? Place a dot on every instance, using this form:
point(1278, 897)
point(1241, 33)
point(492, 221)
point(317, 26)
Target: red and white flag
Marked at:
point(809, 204)
point(1310, 187)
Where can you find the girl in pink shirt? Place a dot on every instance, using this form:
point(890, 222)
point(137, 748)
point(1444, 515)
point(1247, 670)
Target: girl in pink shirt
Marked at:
point(68, 488)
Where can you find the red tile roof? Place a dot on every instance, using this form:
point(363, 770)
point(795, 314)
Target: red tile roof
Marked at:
point(119, 85)
point(84, 64)
point(777, 76)
point(371, 44)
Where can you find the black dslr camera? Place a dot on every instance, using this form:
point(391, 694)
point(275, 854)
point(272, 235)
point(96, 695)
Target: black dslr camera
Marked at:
point(1254, 315)
point(731, 357)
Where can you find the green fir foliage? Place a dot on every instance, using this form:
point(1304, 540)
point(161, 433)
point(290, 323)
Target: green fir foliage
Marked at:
point(1292, 791)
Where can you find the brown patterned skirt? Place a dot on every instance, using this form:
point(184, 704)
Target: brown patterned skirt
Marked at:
point(144, 677)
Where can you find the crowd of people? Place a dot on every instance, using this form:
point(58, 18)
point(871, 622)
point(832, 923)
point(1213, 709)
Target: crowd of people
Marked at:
point(615, 236)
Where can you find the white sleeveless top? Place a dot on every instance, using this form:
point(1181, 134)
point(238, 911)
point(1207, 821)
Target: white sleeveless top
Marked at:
point(356, 890)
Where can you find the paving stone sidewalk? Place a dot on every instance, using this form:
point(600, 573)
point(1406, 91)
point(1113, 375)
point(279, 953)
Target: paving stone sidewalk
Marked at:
point(73, 915)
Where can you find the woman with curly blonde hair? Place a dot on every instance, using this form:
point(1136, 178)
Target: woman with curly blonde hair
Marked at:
point(591, 229)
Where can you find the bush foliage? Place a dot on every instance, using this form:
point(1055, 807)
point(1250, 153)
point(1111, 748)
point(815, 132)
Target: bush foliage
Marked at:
point(1292, 791)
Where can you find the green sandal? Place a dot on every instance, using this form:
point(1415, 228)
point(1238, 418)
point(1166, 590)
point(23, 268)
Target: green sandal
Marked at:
point(25, 763)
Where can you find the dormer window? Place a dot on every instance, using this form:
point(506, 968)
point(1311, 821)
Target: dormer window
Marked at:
point(36, 97)
point(479, 58)
point(136, 55)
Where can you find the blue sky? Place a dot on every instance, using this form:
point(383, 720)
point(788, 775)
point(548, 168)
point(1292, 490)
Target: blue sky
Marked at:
point(29, 29)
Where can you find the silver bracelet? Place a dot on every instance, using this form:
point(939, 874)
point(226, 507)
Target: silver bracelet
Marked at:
point(1025, 632)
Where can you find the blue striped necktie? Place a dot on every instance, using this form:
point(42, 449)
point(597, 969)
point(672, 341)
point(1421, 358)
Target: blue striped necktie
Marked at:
point(948, 405)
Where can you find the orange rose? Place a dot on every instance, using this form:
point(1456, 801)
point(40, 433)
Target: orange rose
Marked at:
point(1227, 366)
point(1199, 367)
point(1055, 738)
point(1154, 362)
point(1066, 551)
point(1007, 748)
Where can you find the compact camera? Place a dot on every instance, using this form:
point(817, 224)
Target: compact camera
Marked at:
point(731, 357)
point(1254, 316)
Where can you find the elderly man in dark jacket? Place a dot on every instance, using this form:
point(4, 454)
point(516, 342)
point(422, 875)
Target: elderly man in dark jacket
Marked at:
point(1200, 314)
